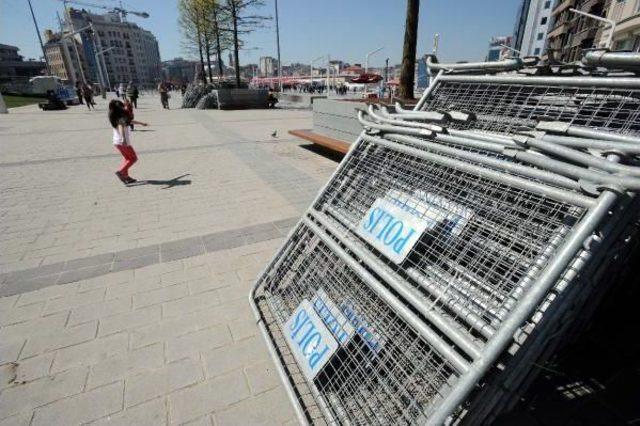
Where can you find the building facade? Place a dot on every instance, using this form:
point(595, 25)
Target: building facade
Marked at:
point(179, 70)
point(497, 49)
point(61, 54)
point(626, 36)
point(110, 50)
point(532, 25)
point(571, 33)
point(14, 67)
point(268, 66)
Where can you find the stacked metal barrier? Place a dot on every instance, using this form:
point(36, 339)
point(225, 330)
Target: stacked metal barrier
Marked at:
point(453, 248)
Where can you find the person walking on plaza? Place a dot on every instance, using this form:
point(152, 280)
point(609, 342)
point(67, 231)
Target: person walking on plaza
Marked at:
point(87, 93)
point(132, 94)
point(164, 94)
point(121, 91)
point(79, 91)
point(120, 121)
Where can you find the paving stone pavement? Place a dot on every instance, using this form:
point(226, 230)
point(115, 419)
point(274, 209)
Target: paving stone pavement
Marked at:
point(130, 305)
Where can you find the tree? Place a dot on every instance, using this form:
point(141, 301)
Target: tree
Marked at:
point(192, 24)
point(242, 23)
point(407, 72)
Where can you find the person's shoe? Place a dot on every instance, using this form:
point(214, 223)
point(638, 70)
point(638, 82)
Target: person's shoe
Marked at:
point(122, 177)
point(130, 180)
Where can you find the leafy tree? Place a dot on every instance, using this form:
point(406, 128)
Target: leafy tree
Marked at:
point(191, 22)
point(242, 22)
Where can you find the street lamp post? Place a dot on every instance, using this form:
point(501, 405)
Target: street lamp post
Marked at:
point(612, 24)
point(312, 62)
point(278, 43)
point(366, 60)
point(35, 22)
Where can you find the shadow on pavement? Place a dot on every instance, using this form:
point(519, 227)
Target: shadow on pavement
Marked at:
point(169, 183)
point(325, 152)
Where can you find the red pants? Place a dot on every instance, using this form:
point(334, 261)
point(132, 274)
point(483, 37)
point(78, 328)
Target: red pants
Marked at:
point(130, 157)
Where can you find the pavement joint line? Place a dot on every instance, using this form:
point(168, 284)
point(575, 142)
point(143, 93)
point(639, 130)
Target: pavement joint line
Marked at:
point(22, 281)
point(146, 152)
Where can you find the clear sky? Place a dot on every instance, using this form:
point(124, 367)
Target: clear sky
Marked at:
point(344, 29)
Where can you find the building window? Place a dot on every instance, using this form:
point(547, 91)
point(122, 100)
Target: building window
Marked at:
point(540, 35)
point(547, 4)
point(543, 21)
point(536, 52)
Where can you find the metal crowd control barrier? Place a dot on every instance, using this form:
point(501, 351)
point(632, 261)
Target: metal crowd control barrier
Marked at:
point(445, 250)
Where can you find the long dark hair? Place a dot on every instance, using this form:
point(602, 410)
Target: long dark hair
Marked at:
point(116, 112)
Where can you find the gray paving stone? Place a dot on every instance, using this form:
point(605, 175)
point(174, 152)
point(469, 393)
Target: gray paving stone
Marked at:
point(171, 377)
point(270, 408)
point(151, 413)
point(73, 301)
point(36, 272)
point(136, 262)
point(90, 353)
point(28, 284)
point(146, 251)
point(191, 303)
point(9, 351)
point(262, 377)
point(28, 370)
point(40, 392)
point(82, 408)
point(164, 294)
point(100, 259)
point(208, 396)
point(126, 365)
point(94, 311)
point(67, 337)
point(20, 314)
point(235, 356)
point(37, 327)
point(164, 330)
point(74, 275)
point(128, 320)
point(190, 345)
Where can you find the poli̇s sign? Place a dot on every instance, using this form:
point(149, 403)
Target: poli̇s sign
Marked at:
point(310, 341)
point(394, 224)
point(339, 325)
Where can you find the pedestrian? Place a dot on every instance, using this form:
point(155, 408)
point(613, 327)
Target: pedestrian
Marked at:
point(122, 139)
point(132, 94)
point(183, 88)
point(87, 93)
point(128, 107)
point(164, 95)
point(79, 91)
point(121, 91)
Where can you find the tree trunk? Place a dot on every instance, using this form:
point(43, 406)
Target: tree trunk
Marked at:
point(407, 72)
point(207, 46)
point(204, 76)
point(216, 30)
point(236, 48)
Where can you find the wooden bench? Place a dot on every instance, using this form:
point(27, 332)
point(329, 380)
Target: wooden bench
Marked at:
point(325, 141)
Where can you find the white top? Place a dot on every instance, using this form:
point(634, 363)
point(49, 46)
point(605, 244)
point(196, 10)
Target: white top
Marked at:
point(117, 138)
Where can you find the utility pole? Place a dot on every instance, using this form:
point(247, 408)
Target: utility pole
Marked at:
point(35, 23)
point(278, 43)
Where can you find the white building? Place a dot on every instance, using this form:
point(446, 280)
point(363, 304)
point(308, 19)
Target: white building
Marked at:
point(268, 66)
point(532, 24)
point(134, 55)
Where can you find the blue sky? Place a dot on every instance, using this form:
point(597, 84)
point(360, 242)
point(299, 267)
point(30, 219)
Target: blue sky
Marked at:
point(345, 29)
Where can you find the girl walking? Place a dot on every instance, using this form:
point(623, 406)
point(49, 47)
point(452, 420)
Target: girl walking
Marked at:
point(120, 122)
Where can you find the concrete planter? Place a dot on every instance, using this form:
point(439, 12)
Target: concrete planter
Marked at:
point(337, 119)
point(241, 98)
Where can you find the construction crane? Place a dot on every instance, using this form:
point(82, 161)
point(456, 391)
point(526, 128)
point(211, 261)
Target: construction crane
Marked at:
point(119, 10)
